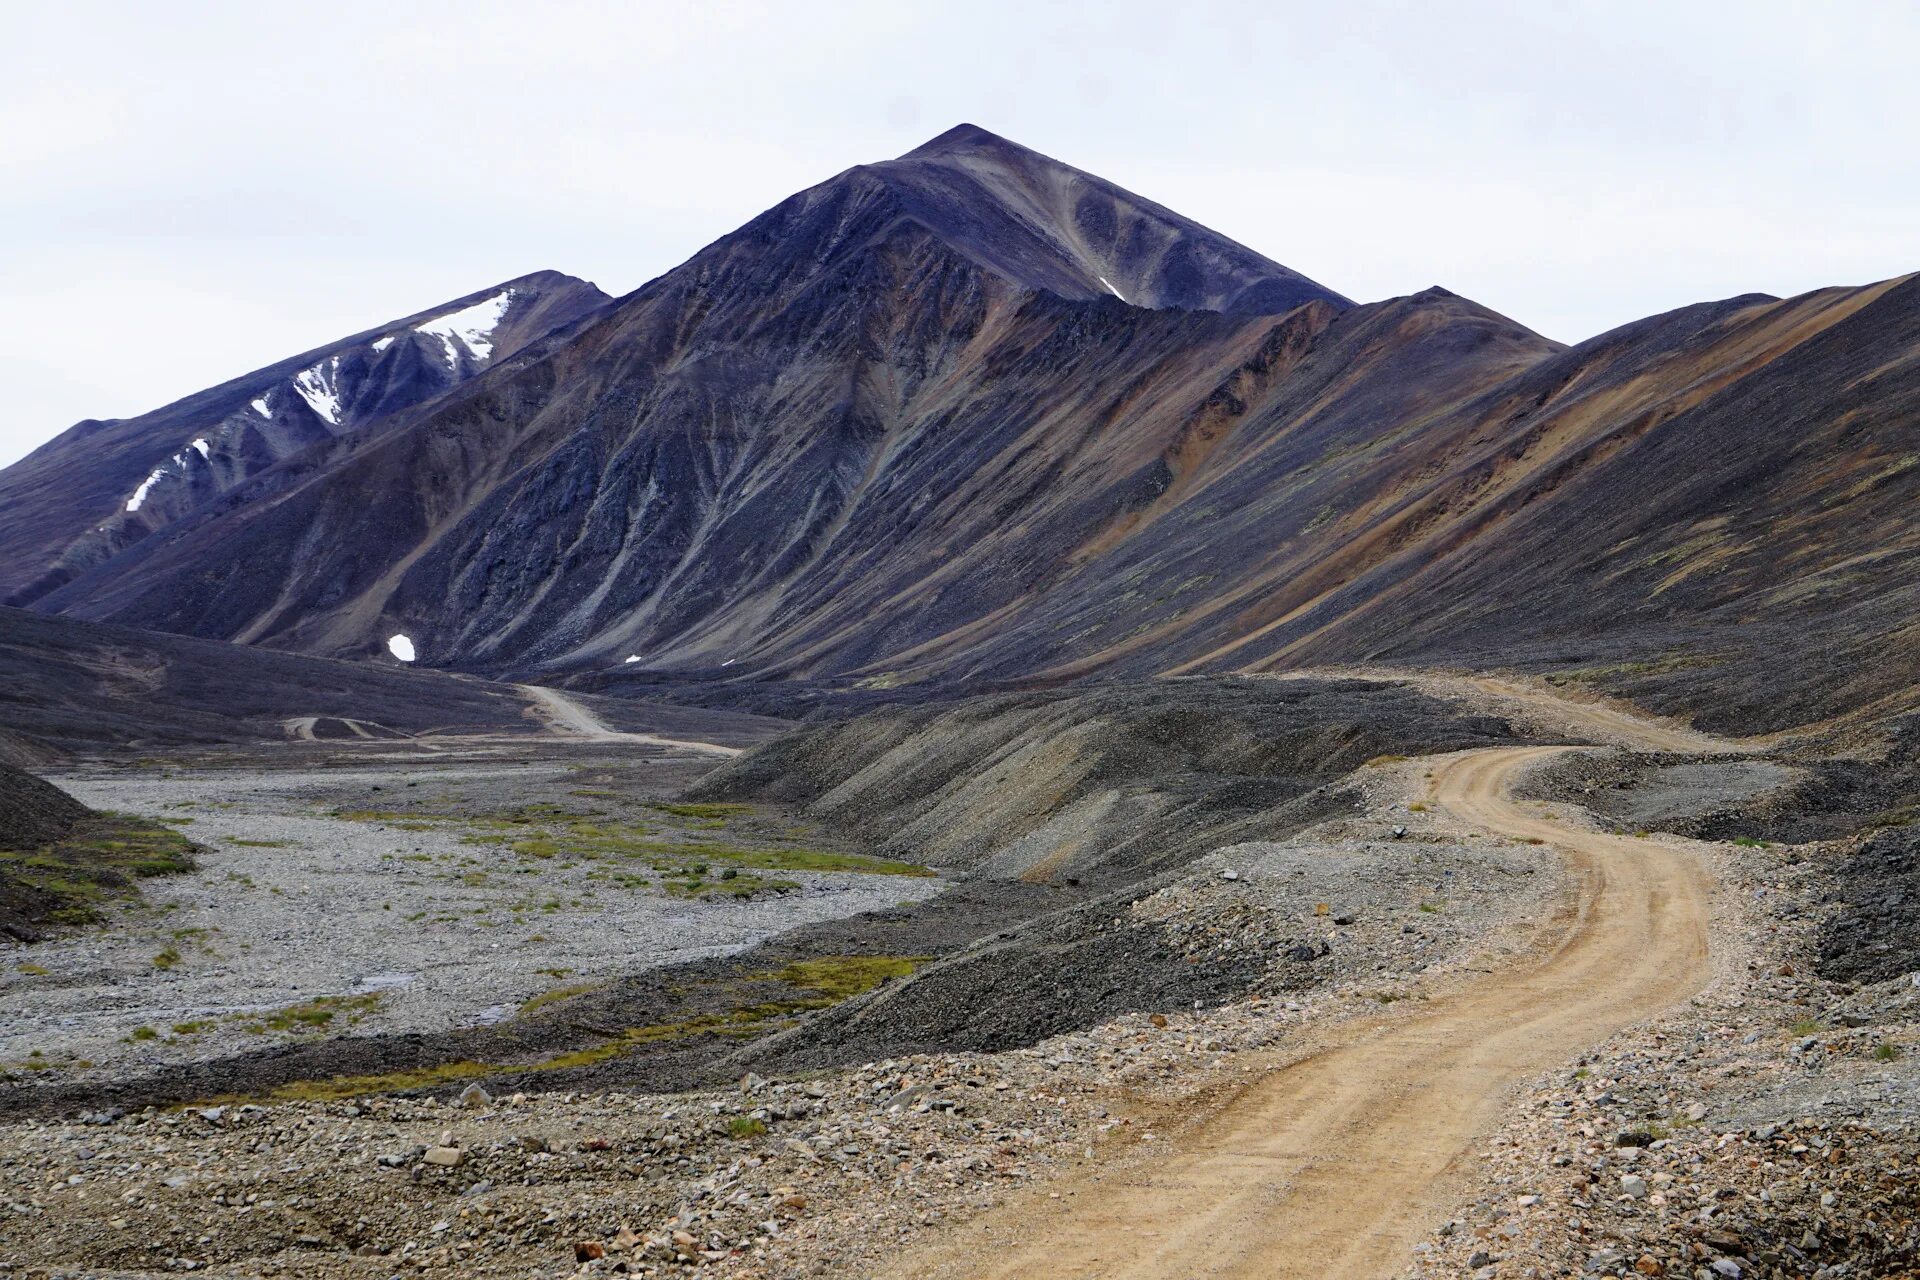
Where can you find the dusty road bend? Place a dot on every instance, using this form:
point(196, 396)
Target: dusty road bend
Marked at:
point(1336, 1165)
point(567, 716)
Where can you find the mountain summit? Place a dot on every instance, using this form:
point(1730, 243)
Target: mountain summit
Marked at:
point(1051, 226)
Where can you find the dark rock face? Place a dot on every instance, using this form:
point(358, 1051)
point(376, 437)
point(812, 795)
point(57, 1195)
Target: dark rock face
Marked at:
point(103, 486)
point(32, 812)
point(1875, 934)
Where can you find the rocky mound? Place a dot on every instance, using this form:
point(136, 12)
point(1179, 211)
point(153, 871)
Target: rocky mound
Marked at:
point(59, 860)
point(1875, 934)
point(33, 812)
point(1104, 785)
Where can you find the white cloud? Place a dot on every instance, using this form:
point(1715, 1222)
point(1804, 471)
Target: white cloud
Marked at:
point(240, 182)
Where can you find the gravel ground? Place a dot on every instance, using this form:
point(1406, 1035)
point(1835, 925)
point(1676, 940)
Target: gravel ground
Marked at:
point(819, 1176)
point(1768, 1129)
point(406, 925)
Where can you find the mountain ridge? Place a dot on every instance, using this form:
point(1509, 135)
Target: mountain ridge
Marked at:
point(206, 443)
point(895, 431)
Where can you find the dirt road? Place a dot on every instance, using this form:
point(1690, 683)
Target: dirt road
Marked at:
point(568, 717)
point(1335, 1165)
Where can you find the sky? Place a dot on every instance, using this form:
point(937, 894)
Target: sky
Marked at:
point(192, 190)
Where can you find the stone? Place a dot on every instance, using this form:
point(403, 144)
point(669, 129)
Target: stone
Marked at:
point(588, 1250)
point(751, 1083)
point(1229, 874)
point(445, 1157)
point(1633, 1186)
point(474, 1097)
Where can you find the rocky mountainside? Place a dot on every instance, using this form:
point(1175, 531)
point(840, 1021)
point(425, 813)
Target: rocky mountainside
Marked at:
point(104, 485)
point(973, 416)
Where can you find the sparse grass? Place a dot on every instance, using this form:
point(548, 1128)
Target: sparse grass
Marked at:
point(262, 844)
point(838, 978)
point(143, 1033)
point(1748, 842)
point(191, 1028)
point(310, 1015)
point(168, 958)
point(700, 810)
point(339, 1087)
point(827, 979)
point(1433, 908)
point(746, 1127)
point(32, 970)
point(102, 859)
point(1416, 807)
point(1884, 1052)
point(1805, 1027)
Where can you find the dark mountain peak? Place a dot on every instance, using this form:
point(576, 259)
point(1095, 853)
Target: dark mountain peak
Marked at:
point(1046, 225)
point(963, 137)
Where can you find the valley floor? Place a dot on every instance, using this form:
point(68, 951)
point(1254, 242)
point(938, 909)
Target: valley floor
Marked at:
point(1521, 1046)
point(395, 890)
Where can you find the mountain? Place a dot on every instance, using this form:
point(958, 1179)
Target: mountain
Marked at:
point(104, 485)
point(972, 416)
point(666, 475)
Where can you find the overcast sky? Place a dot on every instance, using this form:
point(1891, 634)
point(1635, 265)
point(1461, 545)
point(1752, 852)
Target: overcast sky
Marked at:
point(189, 191)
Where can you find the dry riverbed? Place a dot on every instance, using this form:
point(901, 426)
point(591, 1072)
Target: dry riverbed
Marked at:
point(407, 894)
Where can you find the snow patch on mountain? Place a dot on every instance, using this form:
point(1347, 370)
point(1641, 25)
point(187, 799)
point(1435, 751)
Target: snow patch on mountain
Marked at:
point(260, 407)
point(381, 344)
point(140, 494)
point(320, 388)
point(176, 465)
point(401, 647)
point(470, 327)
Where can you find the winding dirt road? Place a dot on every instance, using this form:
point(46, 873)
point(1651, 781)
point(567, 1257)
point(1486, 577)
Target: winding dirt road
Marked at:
point(1334, 1166)
point(568, 717)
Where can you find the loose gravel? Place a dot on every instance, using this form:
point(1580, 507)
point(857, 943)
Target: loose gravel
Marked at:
point(404, 926)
